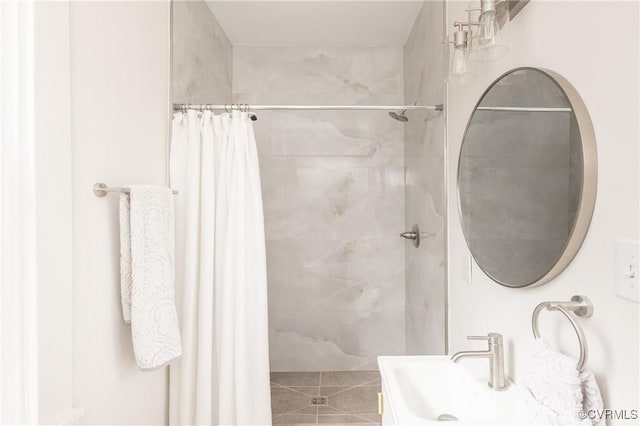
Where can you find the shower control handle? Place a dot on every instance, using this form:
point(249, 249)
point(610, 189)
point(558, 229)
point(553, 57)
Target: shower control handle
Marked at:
point(409, 235)
point(416, 235)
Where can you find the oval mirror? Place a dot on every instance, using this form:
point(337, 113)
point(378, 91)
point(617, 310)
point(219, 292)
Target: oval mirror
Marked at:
point(527, 177)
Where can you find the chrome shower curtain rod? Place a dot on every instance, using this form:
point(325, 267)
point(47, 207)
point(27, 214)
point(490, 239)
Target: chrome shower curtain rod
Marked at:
point(439, 107)
point(247, 107)
point(524, 109)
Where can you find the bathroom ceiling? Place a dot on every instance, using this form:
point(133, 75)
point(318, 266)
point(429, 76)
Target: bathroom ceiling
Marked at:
point(316, 23)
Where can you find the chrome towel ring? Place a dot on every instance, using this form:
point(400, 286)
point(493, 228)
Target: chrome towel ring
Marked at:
point(580, 306)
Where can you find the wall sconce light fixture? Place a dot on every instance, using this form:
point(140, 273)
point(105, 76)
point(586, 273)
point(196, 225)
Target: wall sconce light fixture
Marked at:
point(491, 41)
point(481, 39)
point(460, 57)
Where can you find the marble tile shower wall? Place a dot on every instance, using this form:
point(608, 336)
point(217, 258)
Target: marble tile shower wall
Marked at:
point(333, 193)
point(425, 185)
point(201, 55)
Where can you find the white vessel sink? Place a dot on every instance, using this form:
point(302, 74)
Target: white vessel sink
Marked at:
point(421, 389)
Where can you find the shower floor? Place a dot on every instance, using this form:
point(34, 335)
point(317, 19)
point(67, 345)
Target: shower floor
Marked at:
point(328, 397)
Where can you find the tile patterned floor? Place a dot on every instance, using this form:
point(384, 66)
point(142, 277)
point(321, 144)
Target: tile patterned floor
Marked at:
point(351, 398)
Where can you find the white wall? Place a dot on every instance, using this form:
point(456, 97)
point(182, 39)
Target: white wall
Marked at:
point(120, 117)
point(595, 46)
point(53, 188)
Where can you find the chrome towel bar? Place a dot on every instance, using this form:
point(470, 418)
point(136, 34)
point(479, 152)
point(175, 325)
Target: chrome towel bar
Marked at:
point(580, 306)
point(101, 189)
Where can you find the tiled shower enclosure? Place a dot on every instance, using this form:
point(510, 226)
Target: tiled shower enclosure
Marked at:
point(338, 188)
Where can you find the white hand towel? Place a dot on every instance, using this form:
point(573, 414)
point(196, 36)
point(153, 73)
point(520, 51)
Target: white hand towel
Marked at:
point(553, 392)
point(125, 256)
point(147, 274)
point(592, 398)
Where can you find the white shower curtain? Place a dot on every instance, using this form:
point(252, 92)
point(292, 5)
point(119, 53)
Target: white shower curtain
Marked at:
point(223, 376)
point(18, 285)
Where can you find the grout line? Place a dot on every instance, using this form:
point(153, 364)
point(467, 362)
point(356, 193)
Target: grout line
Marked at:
point(291, 388)
point(366, 383)
point(319, 392)
point(346, 371)
point(349, 414)
point(365, 419)
point(301, 393)
point(346, 388)
point(295, 409)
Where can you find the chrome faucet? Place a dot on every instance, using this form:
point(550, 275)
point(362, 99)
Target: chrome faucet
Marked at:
point(495, 353)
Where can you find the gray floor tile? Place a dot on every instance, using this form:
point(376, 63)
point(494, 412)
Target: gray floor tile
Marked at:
point(348, 424)
point(325, 409)
point(311, 409)
point(348, 378)
point(307, 390)
point(352, 398)
point(284, 400)
point(332, 390)
point(341, 418)
point(376, 418)
point(295, 378)
point(294, 418)
point(360, 399)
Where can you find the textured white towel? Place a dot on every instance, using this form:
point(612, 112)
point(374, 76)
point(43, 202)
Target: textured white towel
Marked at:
point(553, 392)
point(147, 274)
point(125, 256)
point(592, 398)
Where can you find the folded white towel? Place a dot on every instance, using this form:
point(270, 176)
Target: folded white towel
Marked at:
point(553, 392)
point(147, 274)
